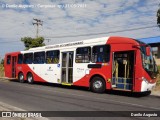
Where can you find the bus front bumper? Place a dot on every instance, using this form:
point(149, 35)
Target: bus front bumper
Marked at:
point(146, 86)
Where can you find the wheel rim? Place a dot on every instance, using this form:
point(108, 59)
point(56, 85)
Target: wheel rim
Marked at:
point(29, 78)
point(21, 77)
point(97, 84)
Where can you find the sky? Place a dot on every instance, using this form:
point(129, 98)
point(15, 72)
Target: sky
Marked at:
point(73, 20)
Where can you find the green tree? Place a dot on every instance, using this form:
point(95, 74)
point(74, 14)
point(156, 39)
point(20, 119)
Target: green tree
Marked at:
point(33, 42)
point(2, 61)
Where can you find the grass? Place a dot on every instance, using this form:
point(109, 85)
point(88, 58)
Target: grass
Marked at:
point(1, 70)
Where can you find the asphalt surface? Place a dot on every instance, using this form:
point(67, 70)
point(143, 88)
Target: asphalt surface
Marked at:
point(51, 97)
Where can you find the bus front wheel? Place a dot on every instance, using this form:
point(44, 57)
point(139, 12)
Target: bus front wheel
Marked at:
point(30, 78)
point(98, 85)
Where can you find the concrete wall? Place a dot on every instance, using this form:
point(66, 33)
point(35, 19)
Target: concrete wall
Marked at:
point(158, 56)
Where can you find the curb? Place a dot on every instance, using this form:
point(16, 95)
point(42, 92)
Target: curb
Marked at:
point(155, 93)
point(155, 96)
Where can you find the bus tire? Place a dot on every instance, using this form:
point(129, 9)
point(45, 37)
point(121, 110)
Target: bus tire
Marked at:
point(21, 77)
point(30, 78)
point(97, 85)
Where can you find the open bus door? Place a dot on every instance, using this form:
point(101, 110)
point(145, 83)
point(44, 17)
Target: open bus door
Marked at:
point(67, 67)
point(123, 70)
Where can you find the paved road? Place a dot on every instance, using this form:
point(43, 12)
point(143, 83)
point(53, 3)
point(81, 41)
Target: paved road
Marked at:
point(49, 97)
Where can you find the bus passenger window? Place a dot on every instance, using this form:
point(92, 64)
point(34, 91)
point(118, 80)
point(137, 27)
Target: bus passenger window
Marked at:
point(83, 55)
point(8, 59)
point(20, 59)
point(52, 57)
point(101, 53)
point(39, 57)
point(28, 58)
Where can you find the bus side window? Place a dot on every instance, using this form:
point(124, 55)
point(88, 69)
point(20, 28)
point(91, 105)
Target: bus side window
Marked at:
point(20, 58)
point(28, 58)
point(83, 54)
point(39, 57)
point(52, 57)
point(8, 59)
point(101, 53)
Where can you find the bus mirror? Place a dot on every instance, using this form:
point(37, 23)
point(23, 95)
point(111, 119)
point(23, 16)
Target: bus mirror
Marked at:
point(148, 51)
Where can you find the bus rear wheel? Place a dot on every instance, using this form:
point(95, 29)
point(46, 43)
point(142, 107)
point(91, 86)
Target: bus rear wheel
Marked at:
point(98, 85)
point(30, 78)
point(21, 77)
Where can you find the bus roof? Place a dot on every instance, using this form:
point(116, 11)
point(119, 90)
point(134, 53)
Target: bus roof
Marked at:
point(89, 42)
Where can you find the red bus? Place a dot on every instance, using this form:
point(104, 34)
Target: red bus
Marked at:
point(116, 63)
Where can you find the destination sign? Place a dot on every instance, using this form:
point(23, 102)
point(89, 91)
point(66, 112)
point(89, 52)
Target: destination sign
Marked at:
point(64, 45)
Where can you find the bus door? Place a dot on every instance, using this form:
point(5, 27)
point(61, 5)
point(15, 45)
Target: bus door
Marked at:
point(67, 67)
point(14, 59)
point(123, 70)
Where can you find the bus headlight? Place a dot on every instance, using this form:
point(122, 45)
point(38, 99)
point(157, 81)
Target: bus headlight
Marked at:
point(144, 79)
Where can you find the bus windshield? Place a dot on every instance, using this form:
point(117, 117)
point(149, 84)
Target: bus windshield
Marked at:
point(149, 63)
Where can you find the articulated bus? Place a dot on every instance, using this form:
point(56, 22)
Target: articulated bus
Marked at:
point(108, 63)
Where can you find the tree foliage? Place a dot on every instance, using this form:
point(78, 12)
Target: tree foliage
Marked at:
point(2, 61)
point(33, 42)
